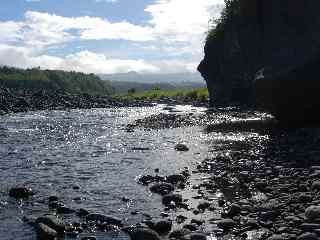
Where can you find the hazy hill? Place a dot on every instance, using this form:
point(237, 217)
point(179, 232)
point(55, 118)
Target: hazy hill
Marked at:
point(172, 78)
point(36, 79)
point(122, 82)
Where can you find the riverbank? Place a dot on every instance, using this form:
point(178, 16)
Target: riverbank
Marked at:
point(23, 101)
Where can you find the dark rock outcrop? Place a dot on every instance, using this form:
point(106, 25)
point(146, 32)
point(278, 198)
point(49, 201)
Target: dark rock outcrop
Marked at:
point(276, 39)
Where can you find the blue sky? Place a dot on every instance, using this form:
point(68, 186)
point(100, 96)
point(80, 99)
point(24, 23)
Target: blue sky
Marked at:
point(105, 36)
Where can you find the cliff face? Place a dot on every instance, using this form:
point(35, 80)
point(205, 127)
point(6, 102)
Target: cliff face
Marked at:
point(254, 35)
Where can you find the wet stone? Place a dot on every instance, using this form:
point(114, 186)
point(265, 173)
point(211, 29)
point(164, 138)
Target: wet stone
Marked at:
point(178, 234)
point(20, 192)
point(181, 148)
point(308, 236)
point(175, 198)
point(53, 222)
point(312, 212)
point(139, 233)
point(195, 236)
point(226, 223)
point(162, 188)
point(96, 217)
point(44, 232)
point(162, 227)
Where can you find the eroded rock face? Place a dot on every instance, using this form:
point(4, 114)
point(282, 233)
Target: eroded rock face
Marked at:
point(279, 36)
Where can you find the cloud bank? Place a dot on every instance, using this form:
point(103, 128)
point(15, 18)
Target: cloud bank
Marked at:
point(176, 27)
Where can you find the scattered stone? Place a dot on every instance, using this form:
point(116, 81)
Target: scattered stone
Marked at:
point(20, 192)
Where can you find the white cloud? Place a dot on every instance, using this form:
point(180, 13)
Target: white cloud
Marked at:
point(180, 20)
point(83, 61)
point(176, 29)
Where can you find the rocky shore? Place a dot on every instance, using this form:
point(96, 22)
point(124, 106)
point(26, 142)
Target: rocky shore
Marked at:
point(247, 190)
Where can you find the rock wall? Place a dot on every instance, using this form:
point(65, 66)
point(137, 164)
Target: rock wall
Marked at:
point(257, 34)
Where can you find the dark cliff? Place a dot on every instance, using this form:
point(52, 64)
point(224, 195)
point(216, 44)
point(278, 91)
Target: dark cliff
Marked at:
point(269, 37)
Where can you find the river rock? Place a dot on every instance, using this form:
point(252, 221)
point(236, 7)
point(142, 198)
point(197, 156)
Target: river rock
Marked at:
point(167, 199)
point(53, 222)
point(181, 148)
point(141, 233)
point(315, 186)
point(175, 178)
point(96, 217)
point(44, 232)
point(226, 223)
point(234, 210)
point(162, 188)
point(312, 212)
point(20, 192)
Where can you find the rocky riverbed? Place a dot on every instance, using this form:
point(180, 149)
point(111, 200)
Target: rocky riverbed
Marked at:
point(243, 177)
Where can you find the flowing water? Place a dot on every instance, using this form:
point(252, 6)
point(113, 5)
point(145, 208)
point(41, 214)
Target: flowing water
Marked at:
point(89, 160)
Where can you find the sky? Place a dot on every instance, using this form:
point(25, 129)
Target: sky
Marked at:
point(106, 36)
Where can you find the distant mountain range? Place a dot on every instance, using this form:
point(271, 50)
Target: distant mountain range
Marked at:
point(172, 78)
point(122, 82)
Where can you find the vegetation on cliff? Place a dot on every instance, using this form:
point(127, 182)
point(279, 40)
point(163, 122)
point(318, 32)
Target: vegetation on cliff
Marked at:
point(36, 79)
